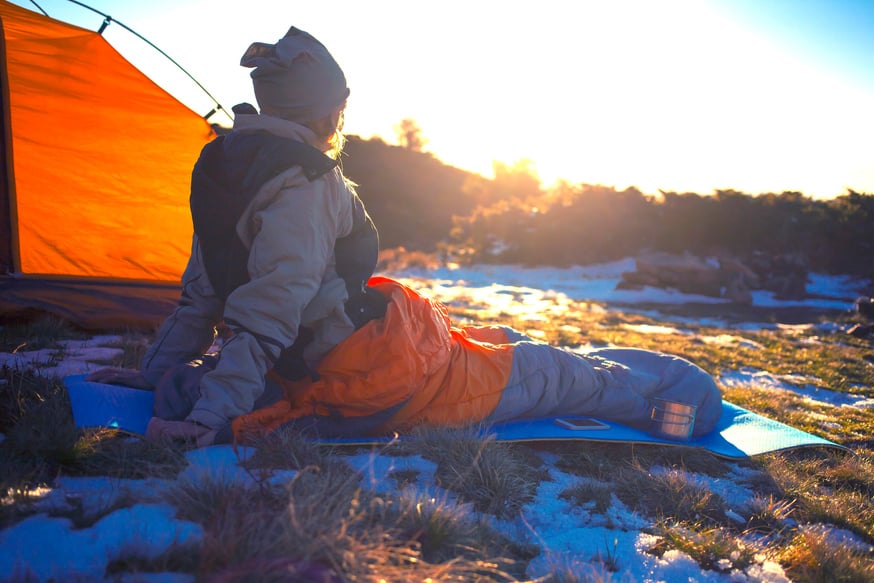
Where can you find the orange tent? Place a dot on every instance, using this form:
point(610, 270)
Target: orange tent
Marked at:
point(94, 220)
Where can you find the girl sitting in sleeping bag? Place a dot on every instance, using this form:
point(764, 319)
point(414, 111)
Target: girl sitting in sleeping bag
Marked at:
point(283, 253)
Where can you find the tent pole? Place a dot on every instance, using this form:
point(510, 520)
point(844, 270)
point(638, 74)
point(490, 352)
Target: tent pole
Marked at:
point(107, 20)
point(44, 13)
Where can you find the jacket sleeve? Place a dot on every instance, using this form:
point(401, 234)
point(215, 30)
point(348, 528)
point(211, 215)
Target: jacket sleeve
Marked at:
point(190, 330)
point(292, 245)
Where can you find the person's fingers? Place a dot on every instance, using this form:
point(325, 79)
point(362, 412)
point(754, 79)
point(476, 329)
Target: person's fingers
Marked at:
point(127, 377)
point(153, 430)
point(181, 430)
point(207, 438)
point(104, 374)
point(136, 381)
point(160, 429)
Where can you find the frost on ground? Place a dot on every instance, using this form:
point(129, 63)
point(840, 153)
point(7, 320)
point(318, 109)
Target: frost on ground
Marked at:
point(568, 535)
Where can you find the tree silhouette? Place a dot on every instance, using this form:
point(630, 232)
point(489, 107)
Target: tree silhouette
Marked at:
point(422, 204)
point(410, 135)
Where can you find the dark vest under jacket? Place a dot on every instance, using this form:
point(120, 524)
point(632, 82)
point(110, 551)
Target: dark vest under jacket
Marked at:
point(227, 176)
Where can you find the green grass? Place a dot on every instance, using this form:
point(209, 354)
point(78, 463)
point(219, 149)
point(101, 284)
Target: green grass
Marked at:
point(324, 521)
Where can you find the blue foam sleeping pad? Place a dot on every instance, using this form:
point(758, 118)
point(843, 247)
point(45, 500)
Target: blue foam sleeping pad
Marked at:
point(738, 434)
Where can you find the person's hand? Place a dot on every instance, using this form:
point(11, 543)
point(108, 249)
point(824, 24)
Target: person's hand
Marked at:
point(127, 377)
point(160, 430)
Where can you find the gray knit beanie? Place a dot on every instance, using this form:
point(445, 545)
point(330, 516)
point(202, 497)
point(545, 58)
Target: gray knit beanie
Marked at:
point(297, 78)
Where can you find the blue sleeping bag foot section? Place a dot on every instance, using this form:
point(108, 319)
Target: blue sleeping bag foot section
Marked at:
point(738, 434)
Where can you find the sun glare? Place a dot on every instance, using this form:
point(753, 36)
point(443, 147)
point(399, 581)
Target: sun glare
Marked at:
point(675, 95)
point(670, 96)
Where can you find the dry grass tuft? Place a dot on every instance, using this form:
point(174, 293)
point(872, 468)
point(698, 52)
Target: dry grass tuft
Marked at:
point(815, 557)
point(668, 493)
point(590, 494)
point(119, 455)
point(321, 526)
point(495, 477)
point(41, 332)
point(134, 345)
point(714, 548)
point(286, 448)
point(18, 501)
point(40, 436)
point(828, 488)
point(768, 515)
point(601, 461)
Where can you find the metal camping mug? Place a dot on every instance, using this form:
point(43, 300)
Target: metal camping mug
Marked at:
point(672, 420)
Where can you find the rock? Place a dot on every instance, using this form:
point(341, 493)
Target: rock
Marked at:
point(739, 292)
point(734, 268)
point(688, 273)
point(728, 277)
point(785, 274)
point(637, 280)
point(865, 307)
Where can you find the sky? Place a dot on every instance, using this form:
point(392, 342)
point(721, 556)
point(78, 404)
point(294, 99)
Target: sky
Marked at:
point(677, 95)
point(569, 535)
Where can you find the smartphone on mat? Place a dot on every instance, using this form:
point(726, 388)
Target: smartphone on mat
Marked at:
point(578, 423)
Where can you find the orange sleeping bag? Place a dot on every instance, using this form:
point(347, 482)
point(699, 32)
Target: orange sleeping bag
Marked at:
point(411, 367)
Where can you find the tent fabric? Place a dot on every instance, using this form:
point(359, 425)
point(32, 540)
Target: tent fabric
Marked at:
point(95, 304)
point(98, 160)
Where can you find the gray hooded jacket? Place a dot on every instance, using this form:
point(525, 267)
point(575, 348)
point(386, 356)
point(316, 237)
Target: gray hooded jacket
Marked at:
point(290, 229)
